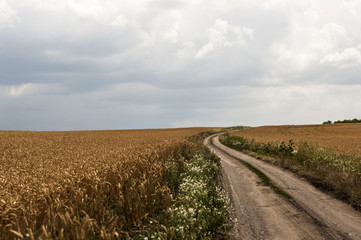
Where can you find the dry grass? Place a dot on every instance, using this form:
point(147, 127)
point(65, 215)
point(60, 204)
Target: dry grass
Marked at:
point(341, 138)
point(81, 185)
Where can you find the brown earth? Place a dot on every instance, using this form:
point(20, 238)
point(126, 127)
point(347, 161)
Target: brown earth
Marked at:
point(260, 213)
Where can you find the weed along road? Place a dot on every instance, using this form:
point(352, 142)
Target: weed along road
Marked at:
point(301, 212)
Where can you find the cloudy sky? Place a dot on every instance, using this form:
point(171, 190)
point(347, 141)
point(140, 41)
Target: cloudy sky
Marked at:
point(118, 64)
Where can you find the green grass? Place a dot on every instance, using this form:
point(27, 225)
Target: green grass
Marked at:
point(266, 181)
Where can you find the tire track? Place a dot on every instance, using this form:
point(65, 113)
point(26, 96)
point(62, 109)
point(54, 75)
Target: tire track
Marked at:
point(262, 214)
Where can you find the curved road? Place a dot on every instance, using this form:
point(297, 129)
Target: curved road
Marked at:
point(259, 213)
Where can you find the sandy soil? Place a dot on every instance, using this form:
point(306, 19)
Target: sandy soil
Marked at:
point(259, 213)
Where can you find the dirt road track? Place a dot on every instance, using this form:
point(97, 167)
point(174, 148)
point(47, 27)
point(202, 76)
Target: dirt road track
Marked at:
point(262, 214)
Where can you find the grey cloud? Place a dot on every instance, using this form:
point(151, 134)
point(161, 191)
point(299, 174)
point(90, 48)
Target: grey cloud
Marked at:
point(141, 64)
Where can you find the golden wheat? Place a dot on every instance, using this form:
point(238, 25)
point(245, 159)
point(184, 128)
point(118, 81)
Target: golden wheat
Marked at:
point(342, 138)
point(80, 185)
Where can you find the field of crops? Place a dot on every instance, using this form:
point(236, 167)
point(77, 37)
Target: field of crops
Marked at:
point(342, 138)
point(72, 185)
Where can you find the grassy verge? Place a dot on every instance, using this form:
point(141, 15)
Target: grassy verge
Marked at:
point(340, 174)
point(199, 207)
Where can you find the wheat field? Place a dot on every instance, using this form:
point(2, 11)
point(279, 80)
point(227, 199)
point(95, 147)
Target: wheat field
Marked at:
point(341, 138)
point(87, 184)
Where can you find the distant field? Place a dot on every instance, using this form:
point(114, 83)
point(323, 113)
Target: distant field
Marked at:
point(87, 183)
point(342, 138)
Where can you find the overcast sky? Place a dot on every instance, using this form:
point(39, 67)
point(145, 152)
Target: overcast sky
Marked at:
point(118, 64)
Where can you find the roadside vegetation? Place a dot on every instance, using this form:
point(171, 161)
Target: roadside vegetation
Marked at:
point(338, 173)
point(139, 184)
point(341, 138)
point(199, 207)
point(355, 120)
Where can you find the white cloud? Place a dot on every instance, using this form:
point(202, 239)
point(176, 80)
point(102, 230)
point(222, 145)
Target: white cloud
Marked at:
point(89, 10)
point(172, 35)
point(353, 6)
point(120, 22)
point(223, 35)
point(306, 44)
point(105, 12)
point(349, 57)
point(20, 90)
point(281, 4)
point(30, 89)
point(8, 16)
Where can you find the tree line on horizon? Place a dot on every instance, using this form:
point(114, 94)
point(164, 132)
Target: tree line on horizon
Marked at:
point(355, 120)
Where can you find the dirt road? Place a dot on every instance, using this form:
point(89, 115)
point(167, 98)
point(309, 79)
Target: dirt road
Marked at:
point(262, 214)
